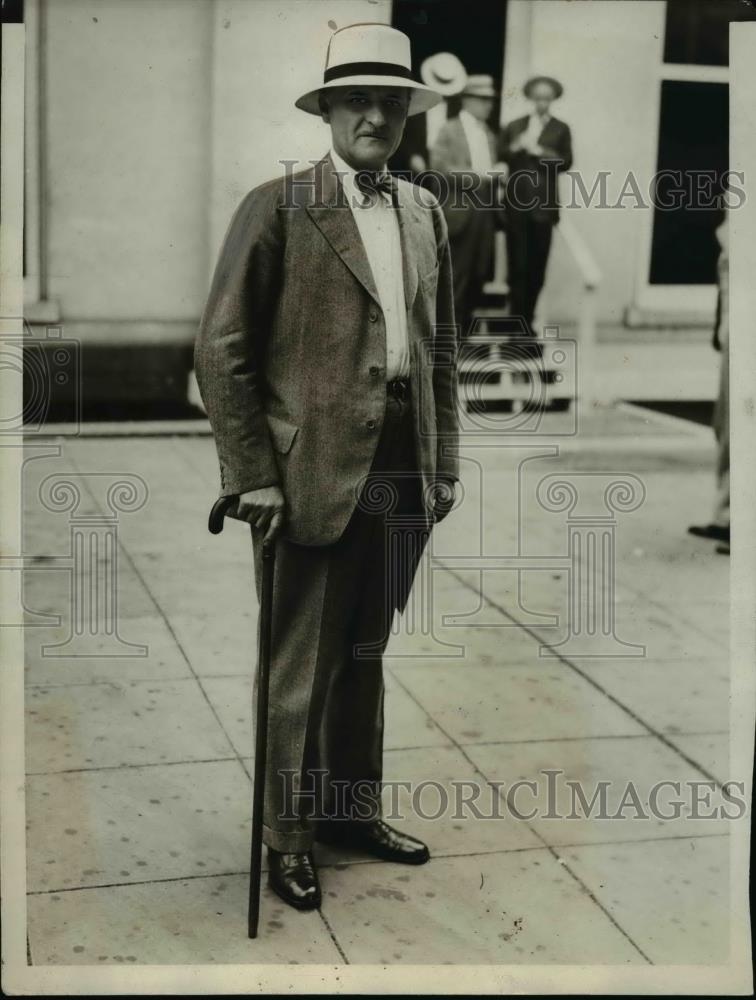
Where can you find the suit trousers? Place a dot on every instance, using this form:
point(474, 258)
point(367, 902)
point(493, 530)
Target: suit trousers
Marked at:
point(471, 244)
point(333, 607)
point(528, 239)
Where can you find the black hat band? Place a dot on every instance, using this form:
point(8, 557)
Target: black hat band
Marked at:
point(366, 69)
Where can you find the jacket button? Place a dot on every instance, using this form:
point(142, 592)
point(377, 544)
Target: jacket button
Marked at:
point(370, 424)
point(373, 316)
point(375, 371)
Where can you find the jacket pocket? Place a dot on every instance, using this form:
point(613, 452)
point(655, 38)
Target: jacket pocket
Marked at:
point(282, 433)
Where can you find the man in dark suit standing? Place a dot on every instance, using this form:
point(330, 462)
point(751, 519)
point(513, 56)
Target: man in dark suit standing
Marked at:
point(326, 361)
point(537, 147)
point(465, 151)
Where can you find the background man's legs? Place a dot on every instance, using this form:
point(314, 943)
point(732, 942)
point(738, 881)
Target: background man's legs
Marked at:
point(528, 246)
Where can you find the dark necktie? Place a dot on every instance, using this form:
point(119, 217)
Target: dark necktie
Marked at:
point(375, 182)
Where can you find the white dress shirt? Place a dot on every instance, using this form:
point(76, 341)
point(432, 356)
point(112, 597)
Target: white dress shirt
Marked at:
point(378, 227)
point(434, 120)
point(477, 142)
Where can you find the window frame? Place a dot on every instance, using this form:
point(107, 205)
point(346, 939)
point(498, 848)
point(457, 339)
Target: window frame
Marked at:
point(693, 300)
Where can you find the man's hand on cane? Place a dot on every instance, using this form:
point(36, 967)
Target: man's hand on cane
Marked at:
point(263, 509)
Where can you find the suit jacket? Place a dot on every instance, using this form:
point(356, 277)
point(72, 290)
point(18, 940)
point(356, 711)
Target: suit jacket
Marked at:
point(451, 152)
point(532, 179)
point(449, 155)
point(291, 352)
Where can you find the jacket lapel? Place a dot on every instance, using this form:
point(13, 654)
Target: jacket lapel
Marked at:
point(407, 230)
point(333, 217)
point(551, 128)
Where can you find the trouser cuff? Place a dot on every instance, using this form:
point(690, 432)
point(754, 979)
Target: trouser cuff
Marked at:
point(288, 841)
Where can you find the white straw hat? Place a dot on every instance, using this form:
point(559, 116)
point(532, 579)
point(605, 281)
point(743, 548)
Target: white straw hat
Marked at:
point(370, 55)
point(444, 72)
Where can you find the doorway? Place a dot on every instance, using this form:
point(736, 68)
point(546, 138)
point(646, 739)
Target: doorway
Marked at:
point(473, 31)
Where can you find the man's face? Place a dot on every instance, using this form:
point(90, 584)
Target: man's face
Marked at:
point(366, 123)
point(479, 107)
point(542, 95)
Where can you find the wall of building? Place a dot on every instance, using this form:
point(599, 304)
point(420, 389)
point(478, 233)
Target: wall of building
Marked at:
point(128, 164)
point(158, 117)
point(264, 56)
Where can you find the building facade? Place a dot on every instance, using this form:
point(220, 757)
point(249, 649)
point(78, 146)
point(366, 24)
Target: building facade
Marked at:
point(148, 120)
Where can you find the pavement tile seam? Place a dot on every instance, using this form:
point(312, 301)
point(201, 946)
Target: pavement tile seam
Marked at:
point(383, 865)
point(333, 937)
point(59, 890)
point(132, 767)
point(597, 902)
point(44, 686)
point(579, 739)
point(598, 687)
point(340, 865)
point(552, 849)
point(131, 682)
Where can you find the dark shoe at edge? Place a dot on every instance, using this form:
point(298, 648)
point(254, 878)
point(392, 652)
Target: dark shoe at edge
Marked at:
point(376, 838)
point(713, 531)
point(293, 878)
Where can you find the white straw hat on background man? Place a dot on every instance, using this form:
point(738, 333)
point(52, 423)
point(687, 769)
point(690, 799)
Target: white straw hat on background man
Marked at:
point(370, 55)
point(443, 72)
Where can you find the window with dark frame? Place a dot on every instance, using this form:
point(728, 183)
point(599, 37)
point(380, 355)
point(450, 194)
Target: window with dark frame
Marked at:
point(694, 140)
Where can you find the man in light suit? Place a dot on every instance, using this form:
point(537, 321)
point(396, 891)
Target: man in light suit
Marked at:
point(536, 147)
point(465, 148)
point(326, 361)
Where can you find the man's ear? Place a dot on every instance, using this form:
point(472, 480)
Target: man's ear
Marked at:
point(324, 110)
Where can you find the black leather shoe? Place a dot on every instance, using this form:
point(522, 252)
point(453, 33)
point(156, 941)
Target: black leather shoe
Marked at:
point(294, 879)
point(376, 838)
point(714, 531)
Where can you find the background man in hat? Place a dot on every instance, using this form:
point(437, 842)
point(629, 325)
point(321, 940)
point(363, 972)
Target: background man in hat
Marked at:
point(465, 146)
point(326, 361)
point(444, 73)
point(536, 147)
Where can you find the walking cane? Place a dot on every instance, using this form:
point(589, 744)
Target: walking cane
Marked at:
point(215, 526)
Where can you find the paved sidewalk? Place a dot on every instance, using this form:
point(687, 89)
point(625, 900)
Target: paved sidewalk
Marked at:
point(139, 767)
